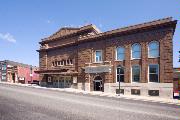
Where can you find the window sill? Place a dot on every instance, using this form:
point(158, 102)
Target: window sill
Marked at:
point(153, 57)
point(119, 60)
point(120, 82)
point(98, 62)
point(136, 82)
point(154, 82)
point(135, 58)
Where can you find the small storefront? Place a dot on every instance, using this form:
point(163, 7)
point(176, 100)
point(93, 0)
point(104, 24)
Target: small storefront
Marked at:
point(58, 78)
point(59, 81)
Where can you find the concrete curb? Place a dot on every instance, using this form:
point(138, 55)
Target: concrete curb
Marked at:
point(131, 97)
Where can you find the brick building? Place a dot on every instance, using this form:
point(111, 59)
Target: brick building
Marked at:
point(15, 72)
point(139, 56)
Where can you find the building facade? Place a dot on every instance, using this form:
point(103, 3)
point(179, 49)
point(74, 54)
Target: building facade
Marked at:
point(15, 72)
point(139, 56)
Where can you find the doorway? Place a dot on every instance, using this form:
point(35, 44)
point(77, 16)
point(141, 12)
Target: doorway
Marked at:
point(98, 85)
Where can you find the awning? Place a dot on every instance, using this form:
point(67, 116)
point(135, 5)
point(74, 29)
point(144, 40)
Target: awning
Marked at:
point(57, 72)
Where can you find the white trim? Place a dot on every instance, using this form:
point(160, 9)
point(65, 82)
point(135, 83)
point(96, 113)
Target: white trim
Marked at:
point(158, 49)
point(140, 51)
point(95, 57)
point(158, 73)
point(139, 73)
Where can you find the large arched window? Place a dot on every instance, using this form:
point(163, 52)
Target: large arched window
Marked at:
point(120, 53)
point(120, 74)
point(136, 51)
point(153, 49)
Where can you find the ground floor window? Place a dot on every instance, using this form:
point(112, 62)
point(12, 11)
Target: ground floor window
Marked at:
point(135, 73)
point(120, 74)
point(154, 73)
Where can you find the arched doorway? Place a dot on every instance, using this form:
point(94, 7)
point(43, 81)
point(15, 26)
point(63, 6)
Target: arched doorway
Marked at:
point(98, 86)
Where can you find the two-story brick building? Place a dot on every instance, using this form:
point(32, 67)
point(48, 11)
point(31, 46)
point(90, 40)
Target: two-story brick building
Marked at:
point(15, 72)
point(139, 56)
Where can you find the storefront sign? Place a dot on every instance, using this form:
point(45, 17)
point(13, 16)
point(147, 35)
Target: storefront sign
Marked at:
point(97, 69)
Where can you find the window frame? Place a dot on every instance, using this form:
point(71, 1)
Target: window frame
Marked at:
point(116, 58)
point(101, 57)
point(119, 74)
point(139, 74)
point(149, 49)
point(133, 52)
point(71, 62)
point(149, 74)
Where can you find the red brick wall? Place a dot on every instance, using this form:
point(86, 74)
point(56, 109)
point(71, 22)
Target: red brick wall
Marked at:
point(84, 53)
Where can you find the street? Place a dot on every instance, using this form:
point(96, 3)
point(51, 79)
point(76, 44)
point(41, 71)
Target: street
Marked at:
point(25, 103)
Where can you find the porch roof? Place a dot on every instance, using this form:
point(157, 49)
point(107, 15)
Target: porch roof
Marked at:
point(57, 71)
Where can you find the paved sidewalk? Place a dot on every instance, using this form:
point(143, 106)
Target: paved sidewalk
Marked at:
point(132, 97)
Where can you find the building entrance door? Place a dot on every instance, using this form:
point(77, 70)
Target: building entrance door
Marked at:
point(98, 85)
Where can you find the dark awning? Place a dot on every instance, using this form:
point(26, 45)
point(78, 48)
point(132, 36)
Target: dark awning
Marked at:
point(58, 71)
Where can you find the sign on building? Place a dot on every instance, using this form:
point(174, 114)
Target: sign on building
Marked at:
point(97, 69)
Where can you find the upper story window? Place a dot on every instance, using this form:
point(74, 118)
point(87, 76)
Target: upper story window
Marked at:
point(62, 62)
point(135, 73)
point(98, 55)
point(120, 53)
point(154, 73)
point(153, 49)
point(136, 51)
point(3, 67)
point(120, 74)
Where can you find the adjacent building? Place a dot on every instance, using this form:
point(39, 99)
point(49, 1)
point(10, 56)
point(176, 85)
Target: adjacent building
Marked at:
point(15, 72)
point(139, 56)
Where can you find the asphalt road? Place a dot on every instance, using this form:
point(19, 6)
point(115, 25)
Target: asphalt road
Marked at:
point(22, 103)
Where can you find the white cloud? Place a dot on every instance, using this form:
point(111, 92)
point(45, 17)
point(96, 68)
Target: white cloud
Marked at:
point(7, 37)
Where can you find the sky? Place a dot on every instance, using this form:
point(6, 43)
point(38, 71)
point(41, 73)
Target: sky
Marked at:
point(23, 23)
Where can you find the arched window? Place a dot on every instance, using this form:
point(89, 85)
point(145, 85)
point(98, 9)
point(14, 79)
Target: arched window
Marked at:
point(136, 51)
point(120, 53)
point(153, 49)
point(120, 74)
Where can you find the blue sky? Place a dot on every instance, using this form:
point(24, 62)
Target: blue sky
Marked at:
point(23, 23)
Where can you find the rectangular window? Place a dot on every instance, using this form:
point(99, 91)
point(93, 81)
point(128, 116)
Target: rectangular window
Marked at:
point(98, 56)
point(120, 53)
point(154, 73)
point(67, 61)
point(3, 67)
point(58, 63)
point(62, 63)
point(136, 73)
point(120, 74)
point(53, 64)
point(71, 62)
point(3, 77)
